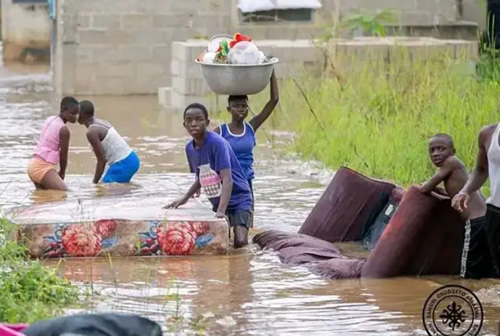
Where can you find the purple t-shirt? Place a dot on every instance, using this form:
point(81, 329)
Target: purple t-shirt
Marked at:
point(217, 152)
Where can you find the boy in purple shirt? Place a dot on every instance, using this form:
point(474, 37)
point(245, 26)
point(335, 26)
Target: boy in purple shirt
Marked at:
point(222, 178)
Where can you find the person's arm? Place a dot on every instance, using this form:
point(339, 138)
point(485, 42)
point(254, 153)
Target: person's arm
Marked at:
point(64, 136)
point(259, 119)
point(480, 173)
point(439, 177)
point(95, 142)
point(227, 188)
point(478, 176)
point(183, 200)
point(222, 164)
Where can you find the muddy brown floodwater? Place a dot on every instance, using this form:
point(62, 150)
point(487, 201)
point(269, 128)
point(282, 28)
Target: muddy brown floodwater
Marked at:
point(249, 287)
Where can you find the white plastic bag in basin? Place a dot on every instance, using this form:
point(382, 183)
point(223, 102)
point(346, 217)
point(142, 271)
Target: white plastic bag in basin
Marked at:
point(244, 52)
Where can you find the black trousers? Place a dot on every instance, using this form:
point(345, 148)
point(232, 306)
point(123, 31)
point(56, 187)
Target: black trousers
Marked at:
point(481, 251)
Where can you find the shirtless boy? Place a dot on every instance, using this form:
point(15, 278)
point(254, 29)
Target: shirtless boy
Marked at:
point(453, 174)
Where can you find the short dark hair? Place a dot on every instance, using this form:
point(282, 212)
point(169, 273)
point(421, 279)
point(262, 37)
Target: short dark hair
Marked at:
point(87, 108)
point(445, 136)
point(198, 106)
point(233, 98)
point(67, 102)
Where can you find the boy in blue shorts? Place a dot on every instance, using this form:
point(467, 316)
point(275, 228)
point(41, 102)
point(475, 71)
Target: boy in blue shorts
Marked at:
point(218, 174)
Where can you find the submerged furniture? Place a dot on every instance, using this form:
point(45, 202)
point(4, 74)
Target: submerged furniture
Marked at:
point(119, 227)
point(422, 236)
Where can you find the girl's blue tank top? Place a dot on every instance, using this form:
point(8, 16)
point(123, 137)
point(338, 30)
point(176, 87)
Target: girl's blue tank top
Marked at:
point(242, 145)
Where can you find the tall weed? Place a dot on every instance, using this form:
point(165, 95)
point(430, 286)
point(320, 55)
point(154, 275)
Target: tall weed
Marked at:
point(380, 120)
point(29, 291)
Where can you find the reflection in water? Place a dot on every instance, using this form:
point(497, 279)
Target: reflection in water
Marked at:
point(263, 296)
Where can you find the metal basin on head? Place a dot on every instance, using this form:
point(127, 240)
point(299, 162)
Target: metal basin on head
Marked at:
point(237, 79)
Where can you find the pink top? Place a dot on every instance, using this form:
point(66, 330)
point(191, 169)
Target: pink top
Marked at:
point(48, 147)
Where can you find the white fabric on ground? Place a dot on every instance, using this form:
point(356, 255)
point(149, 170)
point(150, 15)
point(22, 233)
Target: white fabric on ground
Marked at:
point(249, 6)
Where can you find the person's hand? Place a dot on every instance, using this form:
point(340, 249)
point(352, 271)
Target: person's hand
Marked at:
point(461, 201)
point(220, 214)
point(62, 175)
point(175, 204)
point(197, 194)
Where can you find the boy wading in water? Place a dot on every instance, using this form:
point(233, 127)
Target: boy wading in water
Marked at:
point(52, 148)
point(109, 147)
point(218, 173)
point(454, 175)
point(487, 165)
point(241, 134)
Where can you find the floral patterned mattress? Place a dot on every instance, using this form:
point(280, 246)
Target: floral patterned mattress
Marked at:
point(119, 227)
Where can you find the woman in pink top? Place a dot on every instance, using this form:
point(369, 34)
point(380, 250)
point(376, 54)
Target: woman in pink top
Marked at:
point(52, 148)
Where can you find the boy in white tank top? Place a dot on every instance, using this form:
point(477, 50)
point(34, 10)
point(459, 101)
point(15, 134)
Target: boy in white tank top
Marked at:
point(487, 165)
point(109, 147)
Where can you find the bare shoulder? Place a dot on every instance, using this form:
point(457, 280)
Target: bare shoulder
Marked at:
point(487, 131)
point(453, 162)
point(64, 130)
point(92, 132)
point(486, 134)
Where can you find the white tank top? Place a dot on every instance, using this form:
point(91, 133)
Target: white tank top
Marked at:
point(494, 169)
point(115, 147)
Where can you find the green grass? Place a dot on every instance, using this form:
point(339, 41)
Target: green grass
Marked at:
point(29, 291)
point(380, 121)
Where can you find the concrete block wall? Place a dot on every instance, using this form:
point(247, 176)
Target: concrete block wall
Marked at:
point(124, 46)
point(297, 56)
point(25, 32)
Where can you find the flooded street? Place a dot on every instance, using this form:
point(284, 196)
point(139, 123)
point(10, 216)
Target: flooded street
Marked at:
point(253, 288)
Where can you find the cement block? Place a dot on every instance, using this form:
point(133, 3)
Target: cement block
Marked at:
point(106, 7)
point(185, 6)
point(158, 7)
point(189, 86)
point(466, 50)
point(83, 21)
point(179, 51)
point(213, 21)
point(84, 55)
point(172, 20)
point(106, 37)
point(136, 21)
point(416, 18)
point(219, 6)
point(150, 69)
point(105, 21)
point(116, 69)
point(186, 69)
point(104, 84)
point(102, 54)
point(164, 96)
point(69, 33)
point(149, 37)
point(134, 53)
point(162, 54)
point(211, 101)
